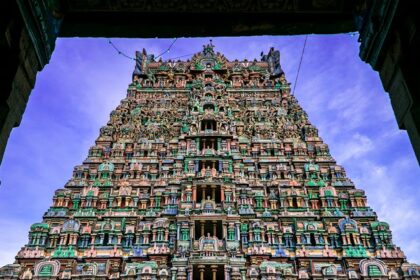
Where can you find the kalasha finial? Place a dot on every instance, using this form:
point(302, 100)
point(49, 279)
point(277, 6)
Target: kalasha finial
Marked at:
point(208, 49)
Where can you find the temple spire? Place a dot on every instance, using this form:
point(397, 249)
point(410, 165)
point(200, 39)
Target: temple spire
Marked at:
point(209, 169)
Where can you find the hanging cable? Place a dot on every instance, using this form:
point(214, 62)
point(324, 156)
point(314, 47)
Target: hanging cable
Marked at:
point(120, 52)
point(300, 63)
point(166, 51)
point(129, 57)
point(169, 48)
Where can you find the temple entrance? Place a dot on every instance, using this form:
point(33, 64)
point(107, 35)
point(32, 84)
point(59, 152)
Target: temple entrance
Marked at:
point(208, 107)
point(208, 192)
point(205, 227)
point(208, 272)
point(208, 125)
point(208, 143)
point(208, 165)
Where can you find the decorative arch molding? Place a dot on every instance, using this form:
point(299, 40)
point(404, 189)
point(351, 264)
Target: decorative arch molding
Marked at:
point(70, 225)
point(42, 266)
point(364, 266)
point(347, 224)
point(87, 269)
point(144, 268)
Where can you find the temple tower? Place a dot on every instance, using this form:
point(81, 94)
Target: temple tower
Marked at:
point(209, 169)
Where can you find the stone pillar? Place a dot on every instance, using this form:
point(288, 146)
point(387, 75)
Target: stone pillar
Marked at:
point(214, 271)
point(343, 236)
point(203, 192)
point(238, 232)
point(214, 228)
point(192, 231)
point(202, 228)
point(298, 239)
point(189, 273)
point(243, 273)
point(201, 268)
point(227, 272)
point(213, 193)
point(194, 193)
point(222, 193)
point(174, 271)
point(326, 239)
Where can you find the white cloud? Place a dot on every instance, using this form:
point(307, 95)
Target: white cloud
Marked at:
point(355, 148)
point(391, 195)
point(11, 243)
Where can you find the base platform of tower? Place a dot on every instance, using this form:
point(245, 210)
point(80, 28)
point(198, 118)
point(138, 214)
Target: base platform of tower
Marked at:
point(209, 169)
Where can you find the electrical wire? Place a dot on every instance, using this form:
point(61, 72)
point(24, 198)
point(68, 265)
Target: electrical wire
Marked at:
point(300, 63)
point(169, 48)
point(166, 51)
point(120, 52)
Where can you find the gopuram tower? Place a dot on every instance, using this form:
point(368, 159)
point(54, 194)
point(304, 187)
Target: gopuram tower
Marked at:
point(209, 169)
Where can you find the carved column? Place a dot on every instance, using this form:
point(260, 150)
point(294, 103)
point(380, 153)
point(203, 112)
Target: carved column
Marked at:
point(214, 228)
point(194, 193)
point(202, 228)
point(214, 271)
point(326, 239)
point(93, 239)
point(343, 236)
point(201, 268)
point(238, 232)
point(222, 193)
point(197, 143)
point(192, 232)
point(227, 272)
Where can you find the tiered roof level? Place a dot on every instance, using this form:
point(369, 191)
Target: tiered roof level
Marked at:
point(209, 169)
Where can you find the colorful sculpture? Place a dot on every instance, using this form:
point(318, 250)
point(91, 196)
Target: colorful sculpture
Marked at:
point(209, 169)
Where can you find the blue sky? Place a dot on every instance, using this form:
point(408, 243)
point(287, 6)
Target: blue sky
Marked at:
point(86, 79)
